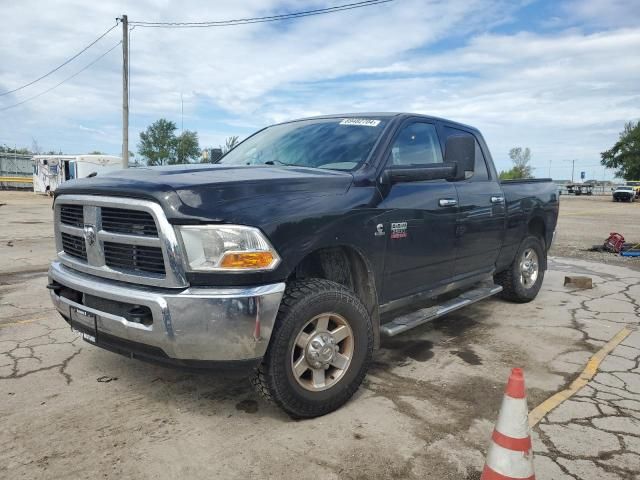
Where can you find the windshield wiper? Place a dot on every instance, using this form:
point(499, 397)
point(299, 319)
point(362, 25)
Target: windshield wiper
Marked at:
point(278, 162)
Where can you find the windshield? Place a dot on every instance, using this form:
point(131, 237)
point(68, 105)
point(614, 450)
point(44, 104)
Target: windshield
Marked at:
point(334, 143)
point(625, 188)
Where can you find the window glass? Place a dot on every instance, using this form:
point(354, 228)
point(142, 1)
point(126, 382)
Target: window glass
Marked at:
point(333, 143)
point(417, 144)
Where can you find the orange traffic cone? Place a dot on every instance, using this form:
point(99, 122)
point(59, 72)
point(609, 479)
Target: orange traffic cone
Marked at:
point(510, 455)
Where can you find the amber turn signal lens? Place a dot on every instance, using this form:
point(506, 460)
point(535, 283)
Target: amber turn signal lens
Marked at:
point(247, 260)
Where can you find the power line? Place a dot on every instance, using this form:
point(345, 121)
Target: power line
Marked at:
point(272, 18)
point(62, 64)
point(63, 81)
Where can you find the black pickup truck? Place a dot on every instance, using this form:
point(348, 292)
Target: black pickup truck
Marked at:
point(293, 252)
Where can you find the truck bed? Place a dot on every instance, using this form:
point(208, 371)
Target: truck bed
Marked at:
point(526, 180)
point(523, 199)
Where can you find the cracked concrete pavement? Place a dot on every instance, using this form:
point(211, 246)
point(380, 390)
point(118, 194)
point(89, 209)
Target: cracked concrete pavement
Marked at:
point(596, 434)
point(426, 409)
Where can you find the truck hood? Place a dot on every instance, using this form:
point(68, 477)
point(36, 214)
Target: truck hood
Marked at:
point(216, 193)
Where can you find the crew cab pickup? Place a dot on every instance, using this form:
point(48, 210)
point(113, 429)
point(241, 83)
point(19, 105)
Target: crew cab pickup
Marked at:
point(295, 251)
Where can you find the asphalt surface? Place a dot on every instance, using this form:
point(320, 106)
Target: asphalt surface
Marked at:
point(426, 410)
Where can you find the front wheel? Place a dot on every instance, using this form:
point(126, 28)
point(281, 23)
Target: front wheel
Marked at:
point(320, 349)
point(521, 282)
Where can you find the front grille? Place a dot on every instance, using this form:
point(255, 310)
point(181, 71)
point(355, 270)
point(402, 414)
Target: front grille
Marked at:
point(72, 215)
point(128, 222)
point(135, 258)
point(122, 239)
point(74, 246)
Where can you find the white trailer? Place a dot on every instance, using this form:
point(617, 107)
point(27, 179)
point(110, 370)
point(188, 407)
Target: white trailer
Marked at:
point(49, 171)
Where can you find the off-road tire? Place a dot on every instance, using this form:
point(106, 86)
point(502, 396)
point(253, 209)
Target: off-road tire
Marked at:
point(303, 300)
point(510, 279)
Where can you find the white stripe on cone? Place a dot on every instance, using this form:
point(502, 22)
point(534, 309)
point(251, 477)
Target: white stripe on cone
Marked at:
point(509, 463)
point(513, 420)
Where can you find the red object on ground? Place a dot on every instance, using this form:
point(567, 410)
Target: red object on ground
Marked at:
point(614, 243)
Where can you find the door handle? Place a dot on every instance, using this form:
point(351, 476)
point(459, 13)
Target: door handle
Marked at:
point(447, 202)
point(497, 199)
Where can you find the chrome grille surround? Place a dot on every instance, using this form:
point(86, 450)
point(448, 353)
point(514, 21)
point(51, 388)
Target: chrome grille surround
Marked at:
point(94, 237)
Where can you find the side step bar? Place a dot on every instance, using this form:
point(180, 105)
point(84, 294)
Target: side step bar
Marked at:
point(411, 320)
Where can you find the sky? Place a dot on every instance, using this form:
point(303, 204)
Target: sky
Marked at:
point(559, 77)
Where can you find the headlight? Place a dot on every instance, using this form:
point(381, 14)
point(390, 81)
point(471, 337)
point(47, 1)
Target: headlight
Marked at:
point(227, 248)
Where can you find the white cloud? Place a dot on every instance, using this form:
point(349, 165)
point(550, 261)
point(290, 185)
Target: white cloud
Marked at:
point(608, 13)
point(563, 93)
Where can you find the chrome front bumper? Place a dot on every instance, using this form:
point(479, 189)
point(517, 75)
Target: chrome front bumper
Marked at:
point(193, 324)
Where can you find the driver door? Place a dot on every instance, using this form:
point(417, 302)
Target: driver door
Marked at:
point(419, 218)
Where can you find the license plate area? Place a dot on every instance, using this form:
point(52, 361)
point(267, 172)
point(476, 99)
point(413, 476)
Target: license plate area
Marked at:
point(84, 323)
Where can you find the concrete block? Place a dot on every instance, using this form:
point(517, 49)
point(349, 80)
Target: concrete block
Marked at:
point(578, 281)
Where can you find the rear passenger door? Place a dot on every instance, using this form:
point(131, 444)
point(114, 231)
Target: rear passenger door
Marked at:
point(481, 215)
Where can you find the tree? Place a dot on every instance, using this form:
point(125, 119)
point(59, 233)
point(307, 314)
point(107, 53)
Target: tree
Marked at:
point(521, 168)
point(157, 142)
point(625, 154)
point(96, 152)
point(187, 148)
point(229, 143)
point(17, 151)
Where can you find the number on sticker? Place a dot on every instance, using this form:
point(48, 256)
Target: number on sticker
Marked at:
point(365, 122)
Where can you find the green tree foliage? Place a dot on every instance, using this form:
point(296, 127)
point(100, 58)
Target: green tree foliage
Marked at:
point(230, 143)
point(17, 151)
point(625, 154)
point(521, 167)
point(187, 148)
point(159, 144)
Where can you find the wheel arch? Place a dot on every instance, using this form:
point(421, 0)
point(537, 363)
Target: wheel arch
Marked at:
point(538, 228)
point(348, 266)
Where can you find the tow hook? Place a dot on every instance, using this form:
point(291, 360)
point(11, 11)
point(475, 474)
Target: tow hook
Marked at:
point(55, 287)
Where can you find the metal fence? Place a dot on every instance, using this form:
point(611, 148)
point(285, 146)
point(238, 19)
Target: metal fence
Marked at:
point(16, 171)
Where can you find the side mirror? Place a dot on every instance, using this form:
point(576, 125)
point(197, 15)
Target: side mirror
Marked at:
point(461, 151)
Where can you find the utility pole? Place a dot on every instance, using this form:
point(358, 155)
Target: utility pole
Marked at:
point(573, 167)
point(125, 91)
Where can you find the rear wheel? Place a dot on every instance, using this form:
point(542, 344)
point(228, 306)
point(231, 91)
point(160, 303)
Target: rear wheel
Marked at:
point(521, 282)
point(320, 349)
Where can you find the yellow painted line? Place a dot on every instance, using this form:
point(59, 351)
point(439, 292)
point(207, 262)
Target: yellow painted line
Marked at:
point(16, 180)
point(21, 322)
point(587, 374)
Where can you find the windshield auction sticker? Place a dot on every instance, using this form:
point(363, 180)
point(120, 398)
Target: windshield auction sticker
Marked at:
point(364, 122)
